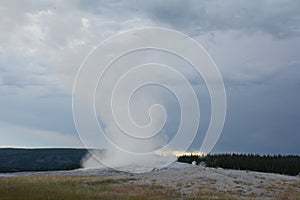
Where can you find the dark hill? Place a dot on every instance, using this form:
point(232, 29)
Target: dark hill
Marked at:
point(16, 160)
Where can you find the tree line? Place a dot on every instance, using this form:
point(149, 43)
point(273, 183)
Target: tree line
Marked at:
point(281, 164)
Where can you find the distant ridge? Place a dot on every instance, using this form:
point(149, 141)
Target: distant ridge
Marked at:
point(40, 159)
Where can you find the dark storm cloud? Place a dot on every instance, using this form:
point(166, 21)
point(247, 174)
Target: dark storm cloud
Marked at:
point(262, 119)
point(278, 18)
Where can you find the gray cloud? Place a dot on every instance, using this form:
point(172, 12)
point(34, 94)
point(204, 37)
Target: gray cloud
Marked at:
point(278, 18)
point(255, 44)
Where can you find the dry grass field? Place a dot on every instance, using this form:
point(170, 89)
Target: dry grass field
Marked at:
point(185, 183)
point(79, 187)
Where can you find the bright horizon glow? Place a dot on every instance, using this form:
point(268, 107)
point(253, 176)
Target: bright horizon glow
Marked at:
point(187, 153)
point(180, 153)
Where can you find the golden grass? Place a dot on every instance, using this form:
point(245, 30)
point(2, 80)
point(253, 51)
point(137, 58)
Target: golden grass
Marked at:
point(289, 194)
point(209, 192)
point(65, 187)
point(79, 187)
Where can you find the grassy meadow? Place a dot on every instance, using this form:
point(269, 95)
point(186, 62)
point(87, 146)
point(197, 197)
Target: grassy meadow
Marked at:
point(99, 187)
point(79, 187)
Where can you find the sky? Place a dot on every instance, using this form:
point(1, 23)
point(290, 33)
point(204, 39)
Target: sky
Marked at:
point(255, 45)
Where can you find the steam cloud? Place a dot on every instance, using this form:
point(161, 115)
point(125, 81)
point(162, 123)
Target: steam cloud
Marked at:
point(123, 89)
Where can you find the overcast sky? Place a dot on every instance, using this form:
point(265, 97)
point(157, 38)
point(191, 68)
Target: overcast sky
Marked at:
point(255, 44)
